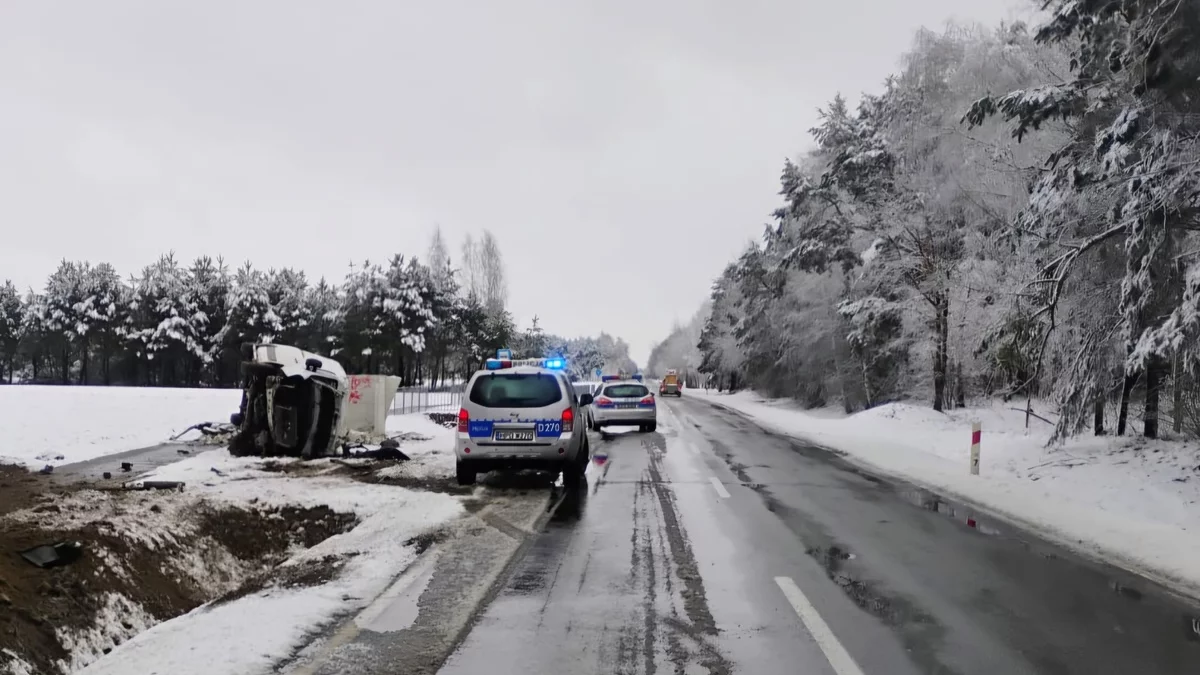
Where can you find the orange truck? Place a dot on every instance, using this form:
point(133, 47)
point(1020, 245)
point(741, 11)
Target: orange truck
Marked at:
point(671, 385)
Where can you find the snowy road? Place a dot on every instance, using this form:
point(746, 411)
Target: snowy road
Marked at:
point(714, 547)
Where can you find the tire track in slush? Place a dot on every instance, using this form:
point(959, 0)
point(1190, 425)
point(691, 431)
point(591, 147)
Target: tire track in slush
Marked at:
point(699, 626)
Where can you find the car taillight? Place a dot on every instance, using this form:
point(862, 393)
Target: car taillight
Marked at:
point(648, 400)
point(568, 420)
point(463, 418)
point(603, 401)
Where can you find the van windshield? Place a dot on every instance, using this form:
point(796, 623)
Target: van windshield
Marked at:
point(512, 390)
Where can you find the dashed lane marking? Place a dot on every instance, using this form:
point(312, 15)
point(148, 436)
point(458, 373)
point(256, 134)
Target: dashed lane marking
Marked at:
point(721, 491)
point(834, 652)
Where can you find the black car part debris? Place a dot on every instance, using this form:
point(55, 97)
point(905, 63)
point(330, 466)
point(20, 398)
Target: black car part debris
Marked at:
point(154, 485)
point(53, 555)
point(209, 429)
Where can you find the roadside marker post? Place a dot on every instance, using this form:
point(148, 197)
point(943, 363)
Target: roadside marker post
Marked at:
point(976, 436)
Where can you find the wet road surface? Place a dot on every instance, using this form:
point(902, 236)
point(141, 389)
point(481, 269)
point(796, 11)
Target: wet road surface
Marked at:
point(715, 547)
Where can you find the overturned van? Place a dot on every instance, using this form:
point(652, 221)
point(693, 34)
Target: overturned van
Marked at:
point(292, 403)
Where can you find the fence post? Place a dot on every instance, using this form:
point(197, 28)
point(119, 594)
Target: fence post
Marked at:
point(976, 437)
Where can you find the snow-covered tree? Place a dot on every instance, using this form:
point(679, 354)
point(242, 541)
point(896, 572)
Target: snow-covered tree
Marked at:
point(287, 293)
point(162, 325)
point(1130, 108)
point(11, 315)
point(532, 343)
point(209, 287)
point(250, 317)
point(100, 316)
point(325, 304)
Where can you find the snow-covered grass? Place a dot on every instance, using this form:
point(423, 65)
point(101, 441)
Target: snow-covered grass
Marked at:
point(251, 634)
point(1132, 501)
point(58, 425)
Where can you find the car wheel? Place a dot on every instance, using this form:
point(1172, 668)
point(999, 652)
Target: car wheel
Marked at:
point(652, 427)
point(464, 474)
point(572, 475)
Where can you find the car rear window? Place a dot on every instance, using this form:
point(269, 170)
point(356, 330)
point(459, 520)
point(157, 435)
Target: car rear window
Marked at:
point(626, 391)
point(525, 390)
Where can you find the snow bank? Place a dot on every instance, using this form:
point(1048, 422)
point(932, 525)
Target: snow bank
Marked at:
point(253, 633)
point(59, 425)
point(11, 664)
point(1133, 501)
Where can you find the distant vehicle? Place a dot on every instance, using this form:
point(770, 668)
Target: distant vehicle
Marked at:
point(521, 414)
point(671, 385)
point(591, 389)
point(292, 403)
point(624, 402)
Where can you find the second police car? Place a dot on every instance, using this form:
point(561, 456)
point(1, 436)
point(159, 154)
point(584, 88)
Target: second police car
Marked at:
point(521, 414)
point(624, 402)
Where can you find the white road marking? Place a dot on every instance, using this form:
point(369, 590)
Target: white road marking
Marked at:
point(721, 491)
point(835, 653)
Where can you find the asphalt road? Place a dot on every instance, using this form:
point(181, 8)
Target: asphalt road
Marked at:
point(715, 547)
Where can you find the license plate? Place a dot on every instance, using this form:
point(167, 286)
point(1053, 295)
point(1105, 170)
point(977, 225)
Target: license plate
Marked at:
point(626, 405)
point(521, 435)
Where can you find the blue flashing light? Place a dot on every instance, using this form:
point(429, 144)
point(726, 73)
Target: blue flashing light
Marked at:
point(555, 364)
point(609, 378)
point(638, 377)
point(497, 364)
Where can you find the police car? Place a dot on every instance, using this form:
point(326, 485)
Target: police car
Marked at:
point(624, 402)
point(521, 414)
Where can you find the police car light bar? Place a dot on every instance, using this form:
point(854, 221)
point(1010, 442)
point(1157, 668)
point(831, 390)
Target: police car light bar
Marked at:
point(609, 378)
point(549, 364)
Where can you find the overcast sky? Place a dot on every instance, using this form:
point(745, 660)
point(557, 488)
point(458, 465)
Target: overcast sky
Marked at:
point(622, 151)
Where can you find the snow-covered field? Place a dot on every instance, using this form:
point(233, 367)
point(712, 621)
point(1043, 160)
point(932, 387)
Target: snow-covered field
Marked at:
point(1133, 501)
point(253, 633)
point(58, 425)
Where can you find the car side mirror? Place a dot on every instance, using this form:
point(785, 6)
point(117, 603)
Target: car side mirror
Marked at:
point(586, 399)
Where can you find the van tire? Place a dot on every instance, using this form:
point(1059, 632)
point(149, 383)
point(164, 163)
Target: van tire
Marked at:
point(464, 474)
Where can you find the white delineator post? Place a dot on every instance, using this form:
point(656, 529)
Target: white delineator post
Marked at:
point(976, 436)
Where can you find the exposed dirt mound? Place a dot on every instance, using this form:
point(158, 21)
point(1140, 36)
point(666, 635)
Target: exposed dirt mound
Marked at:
point(146, 557)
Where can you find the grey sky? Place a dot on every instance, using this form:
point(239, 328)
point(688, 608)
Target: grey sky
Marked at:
point(640, 140)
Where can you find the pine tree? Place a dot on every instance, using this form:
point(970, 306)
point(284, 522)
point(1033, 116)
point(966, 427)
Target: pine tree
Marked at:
point(11, 314)
point(161, 328)
point(102, 310)
point(209, 288)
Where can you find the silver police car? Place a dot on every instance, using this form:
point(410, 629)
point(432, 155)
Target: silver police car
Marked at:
point(624, 402)
point(521, 414)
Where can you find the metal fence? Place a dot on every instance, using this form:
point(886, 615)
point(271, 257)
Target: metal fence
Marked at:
point(425, 399)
